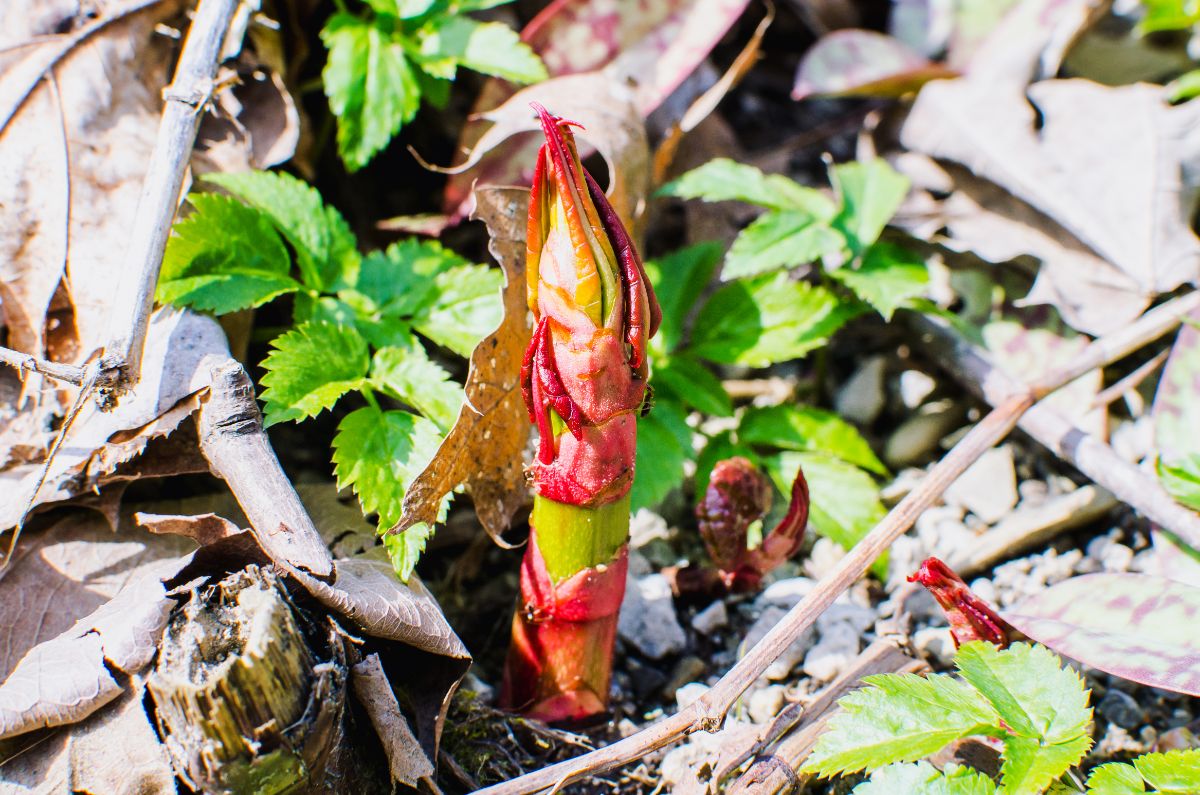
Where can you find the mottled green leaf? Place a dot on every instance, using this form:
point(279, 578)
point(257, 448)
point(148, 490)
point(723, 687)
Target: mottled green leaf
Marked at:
point(1176, 411)
point(664, 444)
point(1125, 624)
point(325, 247)
point(898, 718)
point(489, 47)
point(862, 63)
point(803, 428)
point(766, 319)
point(922, 778)
point(378, 453)
point(409, 375)
point(888, 277)
point(845, 502)
point(870, 192)
point(371, 86)
point(683, 379)
point(223, 257)
point(678, 279)
point(1115, 779)
point(465, 308)
point(309, 368)
point(726, 180)
point(778, 239)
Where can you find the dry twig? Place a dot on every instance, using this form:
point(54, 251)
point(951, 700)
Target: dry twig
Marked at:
point(708, 712)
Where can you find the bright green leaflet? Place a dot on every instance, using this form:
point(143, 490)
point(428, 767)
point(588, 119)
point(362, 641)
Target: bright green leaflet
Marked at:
point(465, 308)
point(888, 277)
point(378, 453)
point(664, 445)
point(1181, 479)
point(489, 47)
point(309, 368)
point(870, 193)
point(803, 428)
point(686, 381)
point(410, 376)
point(723, 179)
point(766, 319)
point(679, 279)
point(898, 718)
point(780, 239)
point(224, 257)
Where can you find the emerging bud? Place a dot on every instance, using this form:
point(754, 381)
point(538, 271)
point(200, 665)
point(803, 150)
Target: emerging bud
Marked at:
point(970, 617)
point(737, 496)
point(584, 376)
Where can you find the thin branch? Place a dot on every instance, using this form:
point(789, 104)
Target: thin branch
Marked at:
point(185, 100)
point(708, 712)
point(71, 373)
point(236, 446)
point(1095, 459)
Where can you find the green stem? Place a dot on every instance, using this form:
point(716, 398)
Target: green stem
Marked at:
point(574, 537)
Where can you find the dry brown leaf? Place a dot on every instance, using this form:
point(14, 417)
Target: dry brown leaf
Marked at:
point(406, 760)
point(367, 592)
point(181, 348)
point(204, 528)
point(1131, 210)
point(118, 751)
point(340, 522)
point(58, 682)
point(485, 448)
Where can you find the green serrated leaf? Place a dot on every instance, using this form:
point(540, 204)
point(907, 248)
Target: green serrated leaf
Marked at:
point(922, 778)
point(1181, 479)
point(489, 47)
point(379, 453)
point(1171, 773)
point(870, 192)
point(664, 444)
point(405, 549)
point(726, 180)
point(466, 307)
point(401, 280)
point(309, 368)
point(409, 375)
point(803, 428)
point(325, 248)
point(683, 379)
point(845, 502)
point(766, 319)
point(780, 239)
point(678, 279)
point(1115, 779)
point(1029, 688)
point(1030, 765)
point(223, 257)
point(371, 86)
point(898, 718)
point(888, 277)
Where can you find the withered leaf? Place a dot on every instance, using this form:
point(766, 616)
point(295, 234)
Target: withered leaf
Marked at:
point(406, 759)
point(485, 448)
point(118, 750)
point(60, 681)
point(202, 528)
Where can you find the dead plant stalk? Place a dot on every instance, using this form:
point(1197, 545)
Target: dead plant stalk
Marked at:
point(708, 712)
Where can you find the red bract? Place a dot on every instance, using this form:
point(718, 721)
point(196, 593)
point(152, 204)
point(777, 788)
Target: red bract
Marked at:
point(971, 618)
point(584, 382)
point(737, 496)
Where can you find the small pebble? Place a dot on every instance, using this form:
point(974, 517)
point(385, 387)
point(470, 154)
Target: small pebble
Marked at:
point(918, 436)
point(765, 703)
point(647, 620)
point(689, 693)
point(862, 398)
point(824, 555)
point(988, 488)
point(935, 644)
point(1121, 709)
point(835, 651)
point(688, 669)
point(786, 593)
point(859, 618)
point(915, 386)
point(711, 618)
point(1180, 738)
point(646, 526)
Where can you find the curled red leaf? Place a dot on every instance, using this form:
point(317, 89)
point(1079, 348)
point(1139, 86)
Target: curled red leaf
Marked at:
point(970, 617)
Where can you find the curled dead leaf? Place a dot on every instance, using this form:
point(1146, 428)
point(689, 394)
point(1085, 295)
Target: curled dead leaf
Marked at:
point(485, 447)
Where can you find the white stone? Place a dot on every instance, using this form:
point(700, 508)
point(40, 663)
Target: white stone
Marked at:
point(859, 618)
point(765, 703)
point(919, 435)
point(915, 386)
point(935, 643)
point(836, 649)
point(824, 555)
point(786, 593)
point(711, 618)
point(638, 565)
point(988, 488)
point(647, 620)
point(646, 526)
point(782, 666)
point(1117, 558)
point(689, 693)
point(862, 398)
